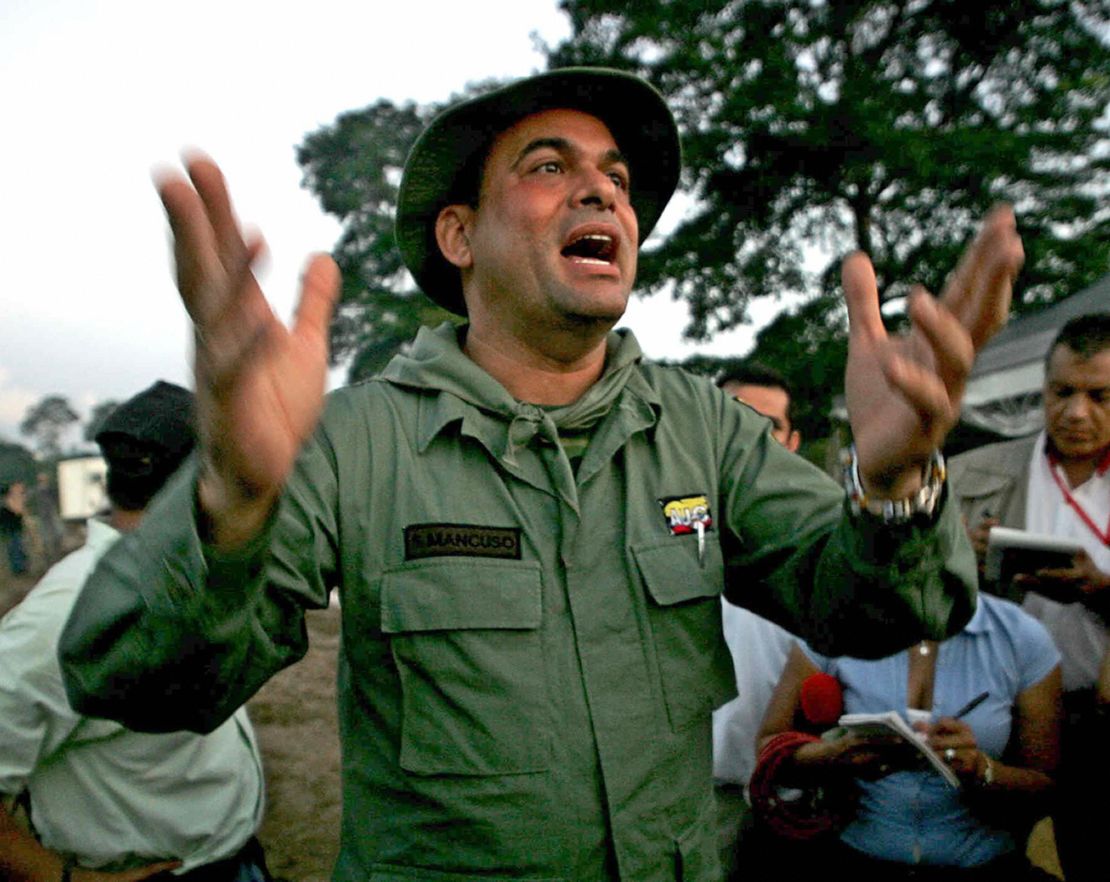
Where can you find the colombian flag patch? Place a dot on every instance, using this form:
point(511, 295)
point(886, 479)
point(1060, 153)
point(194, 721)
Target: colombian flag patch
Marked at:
point(684, 513)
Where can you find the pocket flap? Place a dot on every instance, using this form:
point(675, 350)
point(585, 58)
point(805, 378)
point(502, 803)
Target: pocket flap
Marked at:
point(673, 574)
point(453, 594)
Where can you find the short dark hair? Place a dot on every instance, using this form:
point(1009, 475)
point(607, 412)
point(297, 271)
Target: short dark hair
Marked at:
point(755, 373)
point(136, 471)
point(1085, 335)
point(752, 373)
point(467, 187)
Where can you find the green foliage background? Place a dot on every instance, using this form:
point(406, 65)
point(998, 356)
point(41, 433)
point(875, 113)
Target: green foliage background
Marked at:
point(810, 128)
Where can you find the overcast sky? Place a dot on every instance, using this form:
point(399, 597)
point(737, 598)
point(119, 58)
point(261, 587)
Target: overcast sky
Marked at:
point(97, 94)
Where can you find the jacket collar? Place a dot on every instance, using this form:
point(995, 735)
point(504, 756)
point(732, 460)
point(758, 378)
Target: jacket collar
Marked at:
point(464, 393)
point(458, 392)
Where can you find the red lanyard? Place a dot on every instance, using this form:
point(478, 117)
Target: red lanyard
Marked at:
point(1103, 535)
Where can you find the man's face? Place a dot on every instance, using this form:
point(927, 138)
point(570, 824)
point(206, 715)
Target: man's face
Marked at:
point(773, 403)
point(15, 499)
point(1077, 403)
point(554, 238)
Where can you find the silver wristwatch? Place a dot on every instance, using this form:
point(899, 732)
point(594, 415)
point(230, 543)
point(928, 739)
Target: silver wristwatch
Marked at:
point(922, 505)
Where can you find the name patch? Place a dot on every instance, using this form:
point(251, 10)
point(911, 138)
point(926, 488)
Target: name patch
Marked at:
point(685, 513)
point(461, 540)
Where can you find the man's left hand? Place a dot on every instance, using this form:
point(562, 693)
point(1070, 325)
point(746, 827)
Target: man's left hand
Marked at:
point(904, 393)
point(1083, 581)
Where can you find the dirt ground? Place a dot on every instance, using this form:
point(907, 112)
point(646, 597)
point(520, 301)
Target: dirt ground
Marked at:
point(294, 716)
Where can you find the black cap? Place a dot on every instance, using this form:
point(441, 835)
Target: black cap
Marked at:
point(160, 417)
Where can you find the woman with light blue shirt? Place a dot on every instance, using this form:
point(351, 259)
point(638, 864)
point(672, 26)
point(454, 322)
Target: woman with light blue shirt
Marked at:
point(1004, 750)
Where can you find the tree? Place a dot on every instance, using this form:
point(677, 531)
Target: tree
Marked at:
point(16, 463)
point(46, 421)
point(811, 127)
point(354, 166)
point(808, 346)
point(99, 413)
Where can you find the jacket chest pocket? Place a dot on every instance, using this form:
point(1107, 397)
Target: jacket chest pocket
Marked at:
point(684, 608)
point(466, 639)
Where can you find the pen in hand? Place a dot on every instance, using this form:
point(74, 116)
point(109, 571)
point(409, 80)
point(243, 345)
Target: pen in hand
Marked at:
point(971, 705)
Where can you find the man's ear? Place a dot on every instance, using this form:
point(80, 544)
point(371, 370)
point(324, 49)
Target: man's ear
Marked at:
point(793, 441)
point(452, 228)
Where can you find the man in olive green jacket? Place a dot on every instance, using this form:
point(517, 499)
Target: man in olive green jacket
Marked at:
point(528, 526)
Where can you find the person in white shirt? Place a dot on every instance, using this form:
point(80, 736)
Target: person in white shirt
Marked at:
point(759, 648)
point(106, 804)
point(1058, 482)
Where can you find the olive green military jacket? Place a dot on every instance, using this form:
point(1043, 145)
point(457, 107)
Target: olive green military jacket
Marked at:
point(530, 652)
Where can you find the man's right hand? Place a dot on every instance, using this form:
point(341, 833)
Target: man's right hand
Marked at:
point(136, 875)
point(1082, 582)
point(24, 859)
point(259, 385)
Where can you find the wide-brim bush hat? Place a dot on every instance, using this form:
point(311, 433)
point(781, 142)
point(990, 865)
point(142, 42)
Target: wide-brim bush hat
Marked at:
point(447, 158)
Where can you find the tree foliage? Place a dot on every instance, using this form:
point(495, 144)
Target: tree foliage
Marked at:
point(807, 345)
point(46, 421)
point(16, 463)
point(99, 413)
point(810, 127)
point(353, 166)
point(885, 125)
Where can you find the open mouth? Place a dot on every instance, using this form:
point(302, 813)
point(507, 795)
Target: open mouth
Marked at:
point(599, 249)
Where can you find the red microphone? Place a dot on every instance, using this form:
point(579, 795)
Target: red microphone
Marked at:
point(822, 700)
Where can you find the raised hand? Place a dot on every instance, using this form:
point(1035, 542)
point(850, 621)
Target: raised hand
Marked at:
point(904, 393)
point(259, 385)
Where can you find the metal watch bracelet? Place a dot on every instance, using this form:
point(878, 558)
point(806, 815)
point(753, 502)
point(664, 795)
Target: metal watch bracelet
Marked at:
point(894, 512)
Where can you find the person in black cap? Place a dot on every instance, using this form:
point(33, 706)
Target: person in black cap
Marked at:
point(529, 525)
point(106, 803)
point(144, 441)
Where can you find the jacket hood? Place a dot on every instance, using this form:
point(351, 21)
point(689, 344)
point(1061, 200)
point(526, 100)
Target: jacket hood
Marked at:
point(436, 362)
point(486, 410)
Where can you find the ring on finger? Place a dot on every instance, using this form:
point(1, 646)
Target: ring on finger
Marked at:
point(950, 754)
